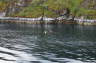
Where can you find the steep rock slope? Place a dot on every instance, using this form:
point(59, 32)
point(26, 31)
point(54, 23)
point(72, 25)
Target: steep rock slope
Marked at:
point(49, 8)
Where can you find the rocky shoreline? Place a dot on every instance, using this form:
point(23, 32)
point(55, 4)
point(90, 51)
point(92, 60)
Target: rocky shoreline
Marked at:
point(85, 21)
point(47, 20)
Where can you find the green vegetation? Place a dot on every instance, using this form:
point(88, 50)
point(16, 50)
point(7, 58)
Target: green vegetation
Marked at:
point(55, 8)
point(3, 5)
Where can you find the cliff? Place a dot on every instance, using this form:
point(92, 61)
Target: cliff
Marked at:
point(49, 8)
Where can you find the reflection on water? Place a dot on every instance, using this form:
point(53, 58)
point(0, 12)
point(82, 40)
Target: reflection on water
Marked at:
point(25, 43)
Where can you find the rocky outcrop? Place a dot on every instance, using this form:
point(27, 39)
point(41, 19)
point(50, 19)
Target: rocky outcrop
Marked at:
point(50, 8)
point(15, 6)
point(89, 4)
point(2, 14)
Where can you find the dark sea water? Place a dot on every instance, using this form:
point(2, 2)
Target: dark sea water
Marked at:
point(27, 43)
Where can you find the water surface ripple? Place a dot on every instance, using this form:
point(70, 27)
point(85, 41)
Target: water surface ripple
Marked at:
point(27, 43)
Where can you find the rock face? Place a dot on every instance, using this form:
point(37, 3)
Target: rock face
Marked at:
point(15, 6)
point(34, 7)
point(89, 4)
point(2, 14)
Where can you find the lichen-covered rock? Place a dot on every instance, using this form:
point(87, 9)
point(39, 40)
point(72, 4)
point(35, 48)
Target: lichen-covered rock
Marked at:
point(49, 8)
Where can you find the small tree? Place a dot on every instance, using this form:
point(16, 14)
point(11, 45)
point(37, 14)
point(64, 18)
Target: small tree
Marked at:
point(74, 7)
